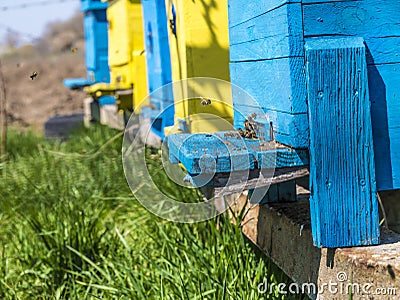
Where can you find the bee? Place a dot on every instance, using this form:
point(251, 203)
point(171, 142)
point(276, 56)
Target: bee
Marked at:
point(74, 49)
point(205, 101)
point(33, 75)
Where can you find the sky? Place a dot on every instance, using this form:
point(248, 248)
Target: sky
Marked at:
point(31, 21)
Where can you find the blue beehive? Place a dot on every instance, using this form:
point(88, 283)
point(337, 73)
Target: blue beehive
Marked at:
point(326, 74)
point(96, 45)
point(158, 65)
point(269, 38)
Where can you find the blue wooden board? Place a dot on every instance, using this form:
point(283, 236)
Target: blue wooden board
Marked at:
point(275, 34)
point(267, 61)
point(366, 18)
point(76, 83)
point(96, 46)
point(241, 11)
point(277, 84)
point(194, 149)
point(225, 152)
point(376, 21)
point(343, 200)
point(158, 64)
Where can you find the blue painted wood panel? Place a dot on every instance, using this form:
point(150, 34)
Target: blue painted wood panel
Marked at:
point(249, 9)
point(267, 61)
point(378, 22)
point(275, 34)
point(225, 152)
point(158, 62)
point(342, 175)
point(366, 18)
point(96, 46)
point(277, 84)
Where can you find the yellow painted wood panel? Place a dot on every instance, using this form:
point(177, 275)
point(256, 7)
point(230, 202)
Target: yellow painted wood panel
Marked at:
point(126, 50)
point(200, 49)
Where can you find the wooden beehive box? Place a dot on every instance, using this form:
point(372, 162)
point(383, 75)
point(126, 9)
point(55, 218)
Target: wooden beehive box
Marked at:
point(198, 39)
point(327, 75)
point(96, 45)
point(267, 41)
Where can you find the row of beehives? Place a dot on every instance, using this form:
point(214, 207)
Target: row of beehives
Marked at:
point(324, 73)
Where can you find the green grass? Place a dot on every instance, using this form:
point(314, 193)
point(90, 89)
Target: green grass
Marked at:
point(71, 229)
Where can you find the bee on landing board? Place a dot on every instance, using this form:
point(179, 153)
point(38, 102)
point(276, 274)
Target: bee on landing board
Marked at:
point(205, 101)
point(33, 75)
point(74, 49)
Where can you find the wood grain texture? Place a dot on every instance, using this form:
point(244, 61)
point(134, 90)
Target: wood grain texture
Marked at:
point(226, 152)
point(158, 62)
point(241, 11)
point(267, 61)
point(378, 22)
point(342, 175)
point(275, 34)
point(380, 50)
point(277, 84)
point(367, 18)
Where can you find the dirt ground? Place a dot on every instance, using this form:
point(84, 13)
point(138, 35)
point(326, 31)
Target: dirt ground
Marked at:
point(31, 102)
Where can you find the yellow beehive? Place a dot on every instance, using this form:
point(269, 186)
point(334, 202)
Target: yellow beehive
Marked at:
point(200, 48)
point(126, 56)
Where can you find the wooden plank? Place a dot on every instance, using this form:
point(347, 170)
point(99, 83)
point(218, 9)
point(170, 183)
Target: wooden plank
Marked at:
point(381, 50)
point(277, 84)
point(326, 1)
point(384, 89)
point(227, 152)
point(158, 62)
point(368, 18)
point(200, 48)
point(342, 175)
point(278, 33)
point(241, 11)
point(156, 42)
point(206, 153)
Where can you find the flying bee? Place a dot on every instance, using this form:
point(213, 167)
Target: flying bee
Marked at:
point(74, 49)
point(205, 101)
point(34, 75)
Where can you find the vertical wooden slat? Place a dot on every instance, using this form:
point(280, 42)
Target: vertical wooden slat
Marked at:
point(342, 173)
